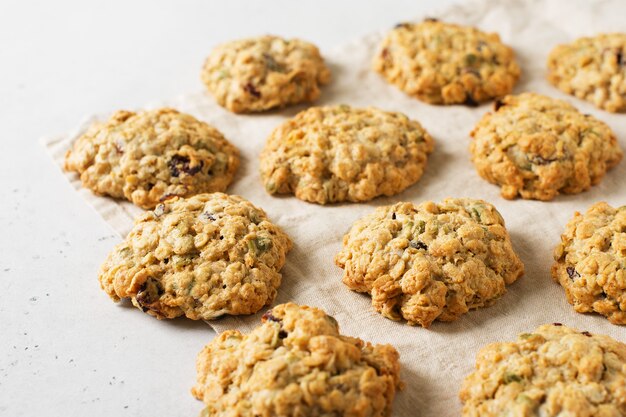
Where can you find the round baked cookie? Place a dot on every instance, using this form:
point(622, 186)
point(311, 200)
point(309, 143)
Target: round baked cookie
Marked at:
point(538, 147)
point(296, 363)
point(593, 69)
point(553, 372)
point(265, 72)
point(152, 155)
point(443, 63)
point(201, 257)
point(590, 262)
point(430, 261)
point(339, 153)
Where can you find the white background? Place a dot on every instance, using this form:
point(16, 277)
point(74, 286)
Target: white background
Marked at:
point(65, 348)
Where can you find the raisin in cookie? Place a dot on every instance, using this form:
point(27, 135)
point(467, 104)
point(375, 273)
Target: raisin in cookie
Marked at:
point(538, 147)
point(257, 74)
point(148, 156)
point(591, 262)
point(202, 257)
point(553, 372)
point(593, 69)
point(443, 63)
point(339, 153)
point(296, 363)
point(430, 261)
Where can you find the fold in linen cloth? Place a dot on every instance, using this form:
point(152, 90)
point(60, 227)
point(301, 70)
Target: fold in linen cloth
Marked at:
point(434, 361)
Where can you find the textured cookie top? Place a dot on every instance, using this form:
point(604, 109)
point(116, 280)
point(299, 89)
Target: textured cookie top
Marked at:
point(148, 156)
point(339, 153)
point(537, 147)
point(591, 262)
point(593, 69)
point(443, 63)
point(430, 261)
point(202, 257)
point(554, 371)
point(296, 364)
point(261, 73)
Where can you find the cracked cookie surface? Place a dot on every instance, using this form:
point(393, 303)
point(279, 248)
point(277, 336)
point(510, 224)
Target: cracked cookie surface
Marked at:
point(554, 371)
point(148, 156)
point(257, 74)
point(339, 153)
point(593, 69)
point(296, 363)
point(590, 262)
point(443, 63)
point(430, 261)
point(537, 147)
point(201, 257)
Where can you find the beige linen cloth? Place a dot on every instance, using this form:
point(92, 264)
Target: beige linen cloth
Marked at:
point(434, 361)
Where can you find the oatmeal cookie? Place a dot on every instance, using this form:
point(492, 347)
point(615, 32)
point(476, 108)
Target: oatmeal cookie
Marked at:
point(553, 372)
point(443, 63)
point(537, 147)
point(296, 363)
point(148, 156)
point(339, 153)
point(202, 257)
point(590, 262)
point(593, 69)
point(430, 261)
point(262, 73)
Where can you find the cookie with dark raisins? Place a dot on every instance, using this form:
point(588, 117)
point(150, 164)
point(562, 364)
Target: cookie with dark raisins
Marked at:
point(537, 147)
point(592, 69)
point(432, 261)
point(590, 262)
point(296, 363)
point(444, 63)
point(200, 257)
point(262, 73)
point(150, 156)
point(553, 371)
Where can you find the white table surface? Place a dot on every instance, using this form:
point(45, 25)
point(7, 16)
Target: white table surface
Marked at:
point(65, 348)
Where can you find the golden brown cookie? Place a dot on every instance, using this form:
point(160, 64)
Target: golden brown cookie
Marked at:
point(296, 363)
point(265, 72)
point(590, 262)
point(430, 261)
point(339, 153)
point(593, 69)
point(537, 147)
point(443, 63)
point(553, 372)
point(149, 156)
point(201, 257)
